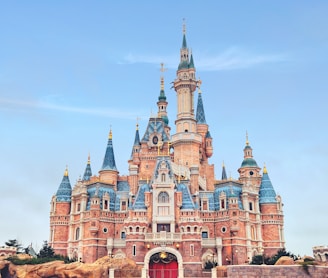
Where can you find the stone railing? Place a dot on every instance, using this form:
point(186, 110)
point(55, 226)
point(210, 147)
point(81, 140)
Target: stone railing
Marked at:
point(163, 237)
point(208, 242)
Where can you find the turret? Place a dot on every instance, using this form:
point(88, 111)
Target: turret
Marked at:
point(60, 211)
point(108, 172)
point(271, 216)
point(249, 169)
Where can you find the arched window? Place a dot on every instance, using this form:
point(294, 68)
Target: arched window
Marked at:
point(77, 234)
point(163, 197)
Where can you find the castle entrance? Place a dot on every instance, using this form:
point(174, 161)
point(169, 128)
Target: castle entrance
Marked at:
point(163, 265)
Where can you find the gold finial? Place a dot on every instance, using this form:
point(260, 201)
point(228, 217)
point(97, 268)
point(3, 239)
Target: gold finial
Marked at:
point(66, 171)
point(110, 136)
point(137, 125)
point(265, 171)
point(223, 164)
point(247, 142)
point(199, 83)
point(184, 26)
point(162, 76)
point(89, 158)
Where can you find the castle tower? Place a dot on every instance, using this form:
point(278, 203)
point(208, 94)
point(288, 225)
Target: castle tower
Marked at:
point(249, 172)
point(59, 216)
point(186, 141)
point(108, 172)
point(271, 217)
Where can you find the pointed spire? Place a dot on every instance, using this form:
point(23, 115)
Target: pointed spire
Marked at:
point(247, 142)
point(200, 114)
point(136, 144)
point(191, 63)
point(87, 173)
point(65, 190)
point(184, 41)
point(224, 174)
point(109, 159)
point(137, 137)
point(267, 193)
point(162, 96)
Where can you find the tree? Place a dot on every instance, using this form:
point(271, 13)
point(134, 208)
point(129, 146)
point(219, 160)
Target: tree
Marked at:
point(14, 243)
point(46, 251)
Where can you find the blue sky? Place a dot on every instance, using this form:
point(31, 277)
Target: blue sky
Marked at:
point(70, 70)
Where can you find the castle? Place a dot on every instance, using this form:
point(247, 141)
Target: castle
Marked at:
point(170, 212)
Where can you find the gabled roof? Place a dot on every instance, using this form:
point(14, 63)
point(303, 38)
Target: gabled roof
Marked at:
point(155, 125)
point(139, 202)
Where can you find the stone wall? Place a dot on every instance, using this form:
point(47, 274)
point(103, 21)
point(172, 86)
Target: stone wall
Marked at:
point(268, 271)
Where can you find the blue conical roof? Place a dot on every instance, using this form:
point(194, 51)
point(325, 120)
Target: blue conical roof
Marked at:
point(191, 63)
point(224, 174)
point(65, 190)
point(137, 138)
point(109, 159)
point(184, 41)
point(87, 173)
point(267, 193)
point(200, 114)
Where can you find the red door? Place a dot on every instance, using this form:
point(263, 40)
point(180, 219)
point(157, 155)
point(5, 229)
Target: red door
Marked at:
point(163, 270)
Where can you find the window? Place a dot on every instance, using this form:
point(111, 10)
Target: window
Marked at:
point(222, 204)
point(163, 177)
point(250, 206)
point(77, 234)
point(105, 230)
point(106, 204)
point(163, 197)
point(205, 205)
point(163, 210)
point(134, 250)
point(205, 234)
point(123, 205)
point(123, 236)
point(192, 250)
point(163, 228)
point(223, 229)
point(78, 207)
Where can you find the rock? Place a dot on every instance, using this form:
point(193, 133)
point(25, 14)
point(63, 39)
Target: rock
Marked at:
point(285, 260)
point(58, 269)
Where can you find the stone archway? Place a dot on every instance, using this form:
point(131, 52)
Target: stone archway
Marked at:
point(151, 252)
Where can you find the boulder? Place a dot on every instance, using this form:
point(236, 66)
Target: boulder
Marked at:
point(285, 260)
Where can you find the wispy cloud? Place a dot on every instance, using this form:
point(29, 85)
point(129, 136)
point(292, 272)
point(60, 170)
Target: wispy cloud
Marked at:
point(231, 59)
point(14, 104)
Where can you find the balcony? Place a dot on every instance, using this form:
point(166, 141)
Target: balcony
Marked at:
point(208, 242)
point(163, 238)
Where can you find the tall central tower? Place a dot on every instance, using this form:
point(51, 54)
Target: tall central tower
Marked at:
point(186, 141)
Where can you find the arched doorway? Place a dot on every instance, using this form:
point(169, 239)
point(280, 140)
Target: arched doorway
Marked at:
point(163, 265)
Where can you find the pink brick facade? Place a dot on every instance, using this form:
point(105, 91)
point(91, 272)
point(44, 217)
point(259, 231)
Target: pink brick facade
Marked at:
point(170, 205)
